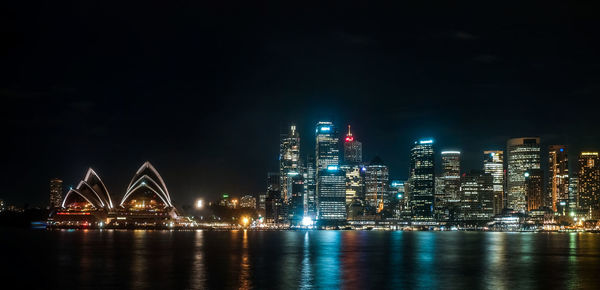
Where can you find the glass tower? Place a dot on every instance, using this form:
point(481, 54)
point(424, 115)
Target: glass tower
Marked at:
point(289, 159)
point(558, 178)
point(421, 180)
point(376, 184)
point(493, 163)
point(450, 186)
point(523, 154)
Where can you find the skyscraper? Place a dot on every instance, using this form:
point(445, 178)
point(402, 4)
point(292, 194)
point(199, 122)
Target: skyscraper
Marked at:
point(311, 187)
point(558, 178)
point(421, 180)
point(588, 182)
point(534, 189)
point(55, 193)
point(327, 146)
point(376, 184)
point(273, 206)
point(352, 150)
point(450, 186)
point(289, 159)
point(331, 181)
point(493, 163)
point(476, 196)
point(331, 195)
point(523, 154)
point(573, 194)
point(297, 204)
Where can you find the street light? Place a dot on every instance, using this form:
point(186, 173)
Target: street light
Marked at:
point(199, 203)
point(245, 221)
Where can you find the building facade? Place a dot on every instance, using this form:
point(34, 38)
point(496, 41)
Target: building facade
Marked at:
point(523, 154)
point(56, 186)
point(450, 184)
point(493, 164)
point(558, 178)
point(331, 195)
point(477, 196)
point(289, 161)
point(534, 189)
point(588, 183)
point(355, 182)
point(421, 180)
point(376, 184)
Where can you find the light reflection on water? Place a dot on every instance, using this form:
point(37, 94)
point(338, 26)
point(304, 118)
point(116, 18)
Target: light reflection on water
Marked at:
point(301, 259)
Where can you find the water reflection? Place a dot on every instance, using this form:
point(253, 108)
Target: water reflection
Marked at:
point(327, 270)
point(303, 259)
point(244, 281)
point(306, 280)
point(198, 269)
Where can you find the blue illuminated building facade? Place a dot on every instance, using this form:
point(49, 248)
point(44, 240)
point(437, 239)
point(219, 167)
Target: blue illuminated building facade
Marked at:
point(421, 177)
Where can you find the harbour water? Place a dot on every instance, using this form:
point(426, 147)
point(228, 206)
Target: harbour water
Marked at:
point(121, 259)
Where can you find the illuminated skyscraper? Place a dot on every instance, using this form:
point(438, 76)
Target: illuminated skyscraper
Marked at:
point(311, 187)
point(450, 183)
point(331, 195)
point(352, 150)
point(421, 180)
point(573, 194)
point(493, 163)
point(558, 178)
point(55, 193)
point(327, 146)
point(289, 161)
point(523, 154)
point(331, 181)
point(376, 184)
point(477, 196)
point(534, 189)
point(588, 182)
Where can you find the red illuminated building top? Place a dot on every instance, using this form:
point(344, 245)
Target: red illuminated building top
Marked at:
point(349, 137)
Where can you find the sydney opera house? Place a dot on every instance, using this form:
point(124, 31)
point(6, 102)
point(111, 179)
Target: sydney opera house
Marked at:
point(145, 203)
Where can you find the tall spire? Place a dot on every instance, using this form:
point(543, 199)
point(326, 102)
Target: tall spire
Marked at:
point(349, 137)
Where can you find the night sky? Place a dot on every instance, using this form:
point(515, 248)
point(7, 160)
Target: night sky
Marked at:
point(202, 89)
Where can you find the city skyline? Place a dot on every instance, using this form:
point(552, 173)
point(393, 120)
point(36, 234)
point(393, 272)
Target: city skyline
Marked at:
point(196, 97)
point(440, 151)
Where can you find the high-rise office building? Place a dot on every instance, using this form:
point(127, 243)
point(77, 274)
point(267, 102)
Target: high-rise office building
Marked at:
point(534, 189)
point(289, 161)
point(352, 149)
point(355, 182)
point(55, 193)
point(573, 194)
point(588, 183)
point(421, 180)
point(311, 187)
point(493, 163)
point(331, 195)
point(477, 196)
point(327, 146)
point(450, 183)
point(331, 181)
point(558, 178)
point(376, 184)
point(297, 203)
point(273, 204)
point(523, 155)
